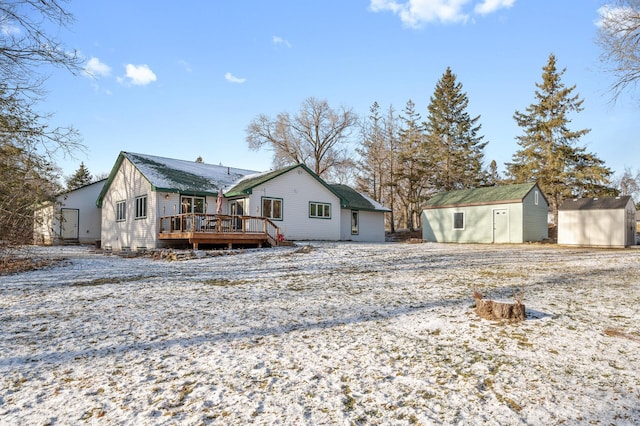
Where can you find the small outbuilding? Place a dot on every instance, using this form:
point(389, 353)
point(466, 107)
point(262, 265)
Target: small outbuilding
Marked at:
point(497, 214)
point(602, 221)
point(71, 218)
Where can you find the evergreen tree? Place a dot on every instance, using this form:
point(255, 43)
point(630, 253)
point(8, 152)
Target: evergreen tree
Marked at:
point(494, 175)
point(80, 178)
point(548, 153)
point(452, 138)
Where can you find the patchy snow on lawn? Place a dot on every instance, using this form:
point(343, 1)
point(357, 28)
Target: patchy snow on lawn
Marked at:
point(343, 334)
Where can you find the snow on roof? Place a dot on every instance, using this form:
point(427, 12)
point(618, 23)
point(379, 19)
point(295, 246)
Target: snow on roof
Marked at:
point(182, 175)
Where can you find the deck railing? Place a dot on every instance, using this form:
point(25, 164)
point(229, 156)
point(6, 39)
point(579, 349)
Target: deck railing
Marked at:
point(219, 224)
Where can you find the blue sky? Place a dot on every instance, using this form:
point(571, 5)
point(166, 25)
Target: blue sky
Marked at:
point(184, 79)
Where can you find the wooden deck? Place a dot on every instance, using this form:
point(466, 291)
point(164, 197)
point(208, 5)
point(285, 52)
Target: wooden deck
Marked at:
point(216, 229)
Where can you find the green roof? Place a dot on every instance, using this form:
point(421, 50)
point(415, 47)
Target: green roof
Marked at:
point(178, 176)
point(349, 197)
point(246, 185)
point(478, 196)
point(352, 199)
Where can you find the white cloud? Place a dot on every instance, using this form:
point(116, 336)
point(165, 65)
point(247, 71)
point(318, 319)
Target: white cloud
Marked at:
point(490, 6)
point(140, 75)
point(233, 79)
point(416, 13)
point(94, 68)
point(9, 29)
point(614, 18)
point(280, 41)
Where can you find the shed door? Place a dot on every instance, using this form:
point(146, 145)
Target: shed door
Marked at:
point(500, 226)
point(69, 226)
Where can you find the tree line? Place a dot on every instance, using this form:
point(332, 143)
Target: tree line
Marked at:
point(400, 160)
point(403, 159)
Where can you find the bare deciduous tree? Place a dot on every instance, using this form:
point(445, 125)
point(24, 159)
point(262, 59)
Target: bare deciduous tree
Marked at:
point(27, 142)
point(315, 136)
point(619, 39)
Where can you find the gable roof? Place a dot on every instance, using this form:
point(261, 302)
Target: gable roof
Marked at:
point(352, 199)
point(246, 184)
point(598, 203)
point(349, 197)
point(180, 176)
point(503, 194)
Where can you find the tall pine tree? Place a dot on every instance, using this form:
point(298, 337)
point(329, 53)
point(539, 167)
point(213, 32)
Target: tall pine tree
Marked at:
point(452, 138)
point(80, 178)
point(548, 151)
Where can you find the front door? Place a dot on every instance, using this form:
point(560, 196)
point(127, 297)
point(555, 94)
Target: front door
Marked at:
point(500, 226)
point(69, 225)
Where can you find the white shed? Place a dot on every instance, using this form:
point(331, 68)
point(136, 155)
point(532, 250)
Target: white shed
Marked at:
point(603, 221)
point(73, 217)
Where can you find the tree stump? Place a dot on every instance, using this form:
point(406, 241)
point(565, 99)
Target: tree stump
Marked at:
point(492, 310)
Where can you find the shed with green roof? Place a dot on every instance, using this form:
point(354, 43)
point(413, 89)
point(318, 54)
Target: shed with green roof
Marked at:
point(498, 214)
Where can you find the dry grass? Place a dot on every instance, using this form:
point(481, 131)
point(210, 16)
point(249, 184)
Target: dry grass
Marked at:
point(617, 333)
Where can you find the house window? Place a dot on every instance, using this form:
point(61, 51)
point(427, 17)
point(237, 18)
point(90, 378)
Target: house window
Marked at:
point(141, 207)
point(272, 208)
point(192, 204)
point(121, 211)
point(458, 220)
point(354, 222)
point(319, 210)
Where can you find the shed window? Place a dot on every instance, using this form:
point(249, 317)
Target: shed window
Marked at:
point(536, 198)
point(121, 211)
point(458, 220)
point(141, 207)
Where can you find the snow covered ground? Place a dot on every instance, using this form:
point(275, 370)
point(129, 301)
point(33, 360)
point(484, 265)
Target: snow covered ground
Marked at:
point(344, 334)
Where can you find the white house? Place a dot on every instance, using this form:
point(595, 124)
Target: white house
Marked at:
point(305, 207)
point(72, 217)
point(150, 202)
point(602, 221)
point(497, 214)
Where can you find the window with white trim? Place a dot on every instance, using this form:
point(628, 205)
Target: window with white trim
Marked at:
point(319, 210)
point(121, 211)
point(536, 197)
point(272, 208)
point(458, 220)
point(191, 204)
point(141, 207)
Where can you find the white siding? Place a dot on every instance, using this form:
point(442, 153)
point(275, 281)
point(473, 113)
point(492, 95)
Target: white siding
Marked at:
point(44, 230)
point(128, 184)
point(370, 229)
point(606, 227)
point(296, 189)
point(89, 216)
